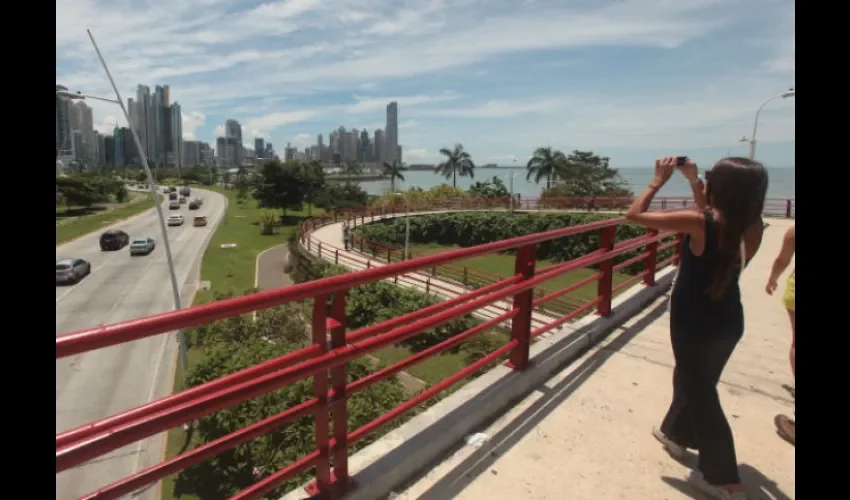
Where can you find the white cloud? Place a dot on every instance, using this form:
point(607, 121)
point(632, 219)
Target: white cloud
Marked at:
point(191, 122)
point(414, 155)
point(307, 63)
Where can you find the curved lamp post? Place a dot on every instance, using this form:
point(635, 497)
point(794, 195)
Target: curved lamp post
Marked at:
point(175, 289)
point(783, 95)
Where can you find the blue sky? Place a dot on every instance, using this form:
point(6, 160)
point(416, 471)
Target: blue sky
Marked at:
point(631, 79)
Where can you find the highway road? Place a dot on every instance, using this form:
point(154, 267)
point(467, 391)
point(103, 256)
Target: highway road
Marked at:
point(101, 383)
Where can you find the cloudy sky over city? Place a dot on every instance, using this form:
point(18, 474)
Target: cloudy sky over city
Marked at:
point(632, 79)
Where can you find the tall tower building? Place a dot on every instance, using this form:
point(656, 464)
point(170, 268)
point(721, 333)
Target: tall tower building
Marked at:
point(146, 129)
point(320, 142)
point(259, 146)
point(64, 141)
point(133, 111)
point(380, 142)
point(174, 151)
point(161, 128)
point(391, 140)
point(233, 132)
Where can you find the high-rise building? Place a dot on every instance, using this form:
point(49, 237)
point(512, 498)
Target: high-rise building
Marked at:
point(192, 153)
point(63, 124)
point(109, 151)
point(128, 148)
point(117, 148)
point(391, 140)
point(173, 137)
point(145, 125)
point(398, 153)
point(320, 148)
point(364, 152)
point(101, 149)
point(79, 149)
point(161, 126)
point(259, 146)
point(233, 131)
point(380, 142)
point(133, 111)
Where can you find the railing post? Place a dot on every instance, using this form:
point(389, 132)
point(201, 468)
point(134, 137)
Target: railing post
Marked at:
point(607, 269)
point(523, 301)
point(428, 285)
point(336, 256)
point(434, 271)
point(368, 264)
point(651, 259)
point(361, 244)
point(339, 405)
point(663, 204)
point(320, 391)
point(787, 209)
point(319, 249)
point(389, 254)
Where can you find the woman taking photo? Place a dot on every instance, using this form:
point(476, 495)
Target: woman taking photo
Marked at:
point(706, 314)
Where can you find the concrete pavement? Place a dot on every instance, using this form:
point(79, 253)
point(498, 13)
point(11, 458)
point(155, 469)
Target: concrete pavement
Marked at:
point(101, 383)
point(585, 434)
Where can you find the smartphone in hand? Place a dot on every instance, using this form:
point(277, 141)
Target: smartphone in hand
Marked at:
point(680, 161)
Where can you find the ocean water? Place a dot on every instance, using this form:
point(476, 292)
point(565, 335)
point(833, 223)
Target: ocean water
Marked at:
point(781, 181)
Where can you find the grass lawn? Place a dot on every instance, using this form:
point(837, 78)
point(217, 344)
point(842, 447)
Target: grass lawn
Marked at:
point(233, 269)
point(228, 270)
point(437, 368)
point(503, 265)
point(93, 219)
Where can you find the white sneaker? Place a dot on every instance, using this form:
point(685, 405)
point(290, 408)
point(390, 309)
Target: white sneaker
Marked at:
point(695, 478)
point(675, 450)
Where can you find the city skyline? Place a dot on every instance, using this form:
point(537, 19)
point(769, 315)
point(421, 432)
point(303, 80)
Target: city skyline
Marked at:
point(639, 78)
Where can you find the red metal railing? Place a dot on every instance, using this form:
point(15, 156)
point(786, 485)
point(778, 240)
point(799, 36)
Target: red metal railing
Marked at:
point(317, 361)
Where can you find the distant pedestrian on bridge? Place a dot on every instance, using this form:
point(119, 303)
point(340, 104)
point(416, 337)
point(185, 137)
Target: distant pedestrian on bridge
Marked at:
point(346, 234)
point(706, 313)
point(785, 426)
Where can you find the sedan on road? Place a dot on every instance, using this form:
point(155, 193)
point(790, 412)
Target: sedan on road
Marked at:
point(142, 246)
point(200, 221)
point(71, 270)
point(175, 220)
point(114, 239)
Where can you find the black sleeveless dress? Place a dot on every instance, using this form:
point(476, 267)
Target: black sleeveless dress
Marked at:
point(703, 333)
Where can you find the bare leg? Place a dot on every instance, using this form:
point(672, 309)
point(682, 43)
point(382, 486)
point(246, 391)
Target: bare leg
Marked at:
point(793, 342)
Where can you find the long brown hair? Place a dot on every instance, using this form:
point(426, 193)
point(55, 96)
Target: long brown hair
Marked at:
point(736, 189)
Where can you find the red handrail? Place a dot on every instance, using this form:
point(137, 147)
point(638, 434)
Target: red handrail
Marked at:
point(86, 442)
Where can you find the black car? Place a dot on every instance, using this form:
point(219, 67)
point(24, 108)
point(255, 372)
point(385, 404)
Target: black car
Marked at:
point(194, 205)
point(114, 239)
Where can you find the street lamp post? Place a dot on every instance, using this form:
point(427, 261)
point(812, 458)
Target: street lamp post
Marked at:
point(175, 289)
point(783, 95)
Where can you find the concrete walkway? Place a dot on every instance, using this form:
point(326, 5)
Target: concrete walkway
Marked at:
point(270, 264)
point(585, 435)
point(332, 247)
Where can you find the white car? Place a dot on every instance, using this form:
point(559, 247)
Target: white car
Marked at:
point(175, 220)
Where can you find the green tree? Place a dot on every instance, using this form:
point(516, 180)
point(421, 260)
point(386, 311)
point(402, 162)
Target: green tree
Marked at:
point(458, 162)
point(341, 196)
point(238, 468)
point(313, 181)
point(545, 162)
point(76, 191)
point(587, 174)
point(493, 188)
point(394, 171)
point(279, 186)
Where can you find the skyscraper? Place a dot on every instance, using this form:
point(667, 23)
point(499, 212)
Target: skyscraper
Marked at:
point(233, 132)
point(391, 146)
point(259, 146)
point(380, 142)
point(145, 126)
point(174, 140)
point(63, 124)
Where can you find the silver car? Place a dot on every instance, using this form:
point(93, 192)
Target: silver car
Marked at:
point(142, 246)
point(71, 270)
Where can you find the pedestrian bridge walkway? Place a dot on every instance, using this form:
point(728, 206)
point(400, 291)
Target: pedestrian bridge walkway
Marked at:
point(585, 432)
point(567, 417)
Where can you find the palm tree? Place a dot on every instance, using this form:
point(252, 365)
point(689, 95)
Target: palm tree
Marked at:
point(545, 162)
point(457, 162)
point(394, 171)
